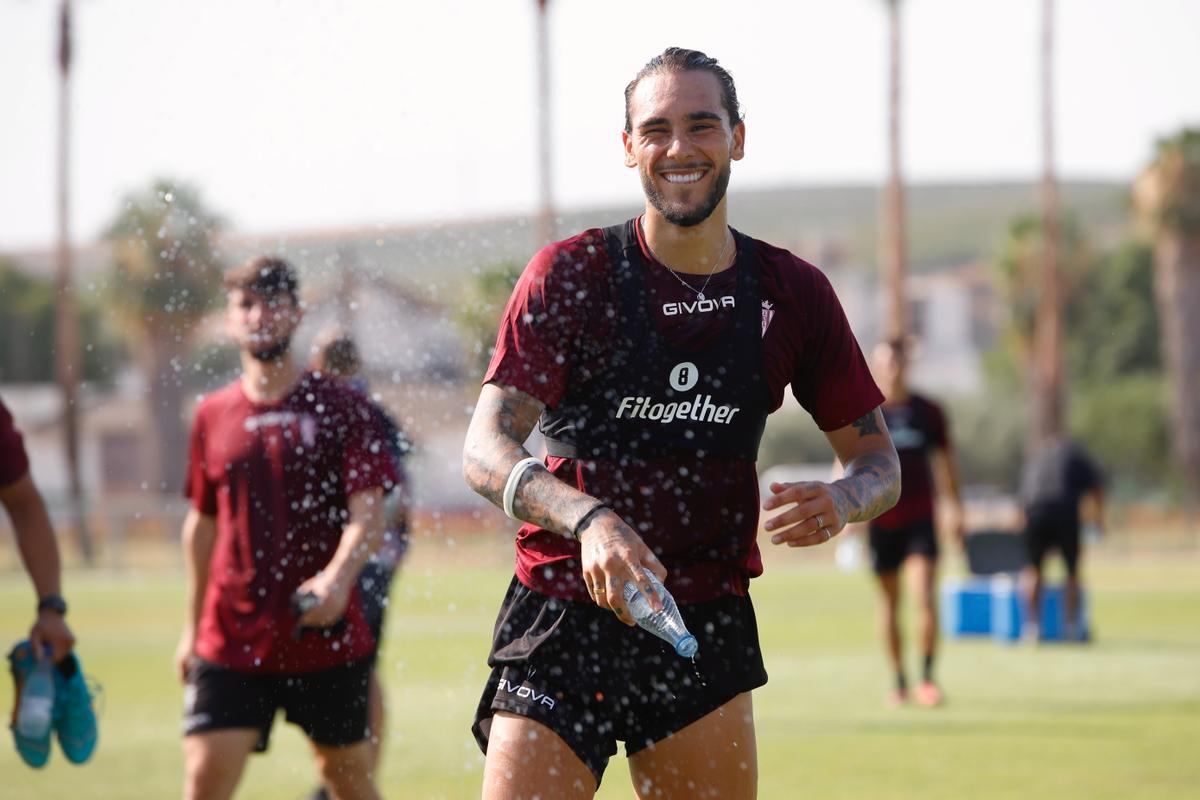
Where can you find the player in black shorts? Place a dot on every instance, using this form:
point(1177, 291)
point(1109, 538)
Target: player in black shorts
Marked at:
point(649, 355)
point(906, 534)
point(336, 356)
point(1055, 480)
point(286, 475)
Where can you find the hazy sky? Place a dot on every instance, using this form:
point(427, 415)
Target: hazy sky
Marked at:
point(321, 114)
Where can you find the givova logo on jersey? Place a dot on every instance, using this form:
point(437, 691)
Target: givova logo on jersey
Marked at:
point(285, 420)
point(684, 377)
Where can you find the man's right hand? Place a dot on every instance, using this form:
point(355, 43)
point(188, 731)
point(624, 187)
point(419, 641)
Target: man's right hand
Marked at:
point(613, 554)
point(51, 631)
point(185, 653)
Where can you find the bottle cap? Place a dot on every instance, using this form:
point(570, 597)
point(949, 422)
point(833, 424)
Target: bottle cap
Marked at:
point(687, 646)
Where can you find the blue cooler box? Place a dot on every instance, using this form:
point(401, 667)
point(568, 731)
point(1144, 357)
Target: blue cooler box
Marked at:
point(966, 606)
point(990, 605)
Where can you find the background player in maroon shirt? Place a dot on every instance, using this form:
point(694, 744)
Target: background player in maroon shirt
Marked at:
point(649, 354)
point(35, 540)
point(286, 478)
point(906, 535)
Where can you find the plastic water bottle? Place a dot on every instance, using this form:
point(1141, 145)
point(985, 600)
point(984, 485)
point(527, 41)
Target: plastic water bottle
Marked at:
point(666, 624)
point(37, 702)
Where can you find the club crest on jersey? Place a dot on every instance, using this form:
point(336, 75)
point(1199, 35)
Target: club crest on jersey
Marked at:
point(768, 314)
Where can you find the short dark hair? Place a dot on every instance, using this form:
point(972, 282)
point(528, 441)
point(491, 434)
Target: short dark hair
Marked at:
point(336, 354)
point(267, 276)
point(679, 59)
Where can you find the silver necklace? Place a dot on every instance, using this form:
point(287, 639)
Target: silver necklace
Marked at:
point(720, 260)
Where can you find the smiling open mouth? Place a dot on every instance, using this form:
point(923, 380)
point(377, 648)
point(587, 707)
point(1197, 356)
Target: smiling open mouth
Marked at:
point(683, 177)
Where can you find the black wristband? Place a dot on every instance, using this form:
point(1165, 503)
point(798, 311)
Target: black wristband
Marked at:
point(53, 603)
point(583, 521)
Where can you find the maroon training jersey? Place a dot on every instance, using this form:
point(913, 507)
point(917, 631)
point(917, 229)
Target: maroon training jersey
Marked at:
point(918, 427)
point(277, 477)
point(13, 461)
point(559, 325)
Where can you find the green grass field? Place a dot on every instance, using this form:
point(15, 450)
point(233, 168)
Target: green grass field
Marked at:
point(1115, 719)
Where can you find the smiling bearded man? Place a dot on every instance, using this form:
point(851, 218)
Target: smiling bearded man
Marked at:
point(649, 354)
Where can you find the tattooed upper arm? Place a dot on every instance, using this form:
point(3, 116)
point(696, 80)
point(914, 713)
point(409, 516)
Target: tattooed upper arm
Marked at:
point(503, 420)
point(511, 412)
point(866, 425)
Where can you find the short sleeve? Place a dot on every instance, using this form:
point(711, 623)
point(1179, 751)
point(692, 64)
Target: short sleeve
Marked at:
point(832, 380)
point(14, 462)
point(199, 488)
point(535, 346)
point(938, 434)
point(368, 460)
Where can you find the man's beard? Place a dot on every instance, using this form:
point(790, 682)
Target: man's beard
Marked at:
point(697, 214)
point(273, 352)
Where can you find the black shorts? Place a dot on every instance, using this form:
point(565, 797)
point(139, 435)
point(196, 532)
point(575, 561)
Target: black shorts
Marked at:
point(890, 548)
point(374, 586)
point(1045, 531)
point(576, 669)
point(330, 706)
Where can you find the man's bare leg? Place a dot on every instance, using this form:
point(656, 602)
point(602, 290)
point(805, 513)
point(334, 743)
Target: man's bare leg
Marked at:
point(1031, 582)
point(716, 756)
point(213, 762)
point(889, 628)
point(346, 771)
point(922, 576)
point(525, 759)
point(376, 717)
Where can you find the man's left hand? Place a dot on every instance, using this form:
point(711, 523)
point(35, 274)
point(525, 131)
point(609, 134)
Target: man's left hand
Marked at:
point(333, 596)
point(813, 520)
point(51, 630)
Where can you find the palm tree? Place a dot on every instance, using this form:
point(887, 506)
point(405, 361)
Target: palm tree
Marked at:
point(1167, 198)
point(1020, 277)
point(893, 251)
point(165, 277)
point(1047, 394)
point(68, 356)
point(545, 224)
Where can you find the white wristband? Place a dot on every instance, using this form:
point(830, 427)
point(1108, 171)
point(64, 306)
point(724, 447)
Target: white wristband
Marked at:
point(514, 477)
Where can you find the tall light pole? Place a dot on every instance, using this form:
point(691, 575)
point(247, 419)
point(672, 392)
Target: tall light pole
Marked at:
point(893, 249)
point(545, 215)
point(1048, 336)
point(66, 347)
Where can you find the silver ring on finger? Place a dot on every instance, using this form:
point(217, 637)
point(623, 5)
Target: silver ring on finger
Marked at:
point(820, 523)
point(828, 534)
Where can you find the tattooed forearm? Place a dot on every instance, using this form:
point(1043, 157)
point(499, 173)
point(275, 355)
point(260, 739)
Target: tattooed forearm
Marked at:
point(502, 421)
point(866, 425)
point(871, 486)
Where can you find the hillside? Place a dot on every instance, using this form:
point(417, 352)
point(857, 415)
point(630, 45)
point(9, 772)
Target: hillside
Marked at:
point(949, 224)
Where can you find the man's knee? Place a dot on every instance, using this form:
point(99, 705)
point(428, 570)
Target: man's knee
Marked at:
point(213, 763)
point(345, 766)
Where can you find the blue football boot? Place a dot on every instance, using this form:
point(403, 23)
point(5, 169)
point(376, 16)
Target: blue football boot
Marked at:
point(32, 745)
point(74, 714)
